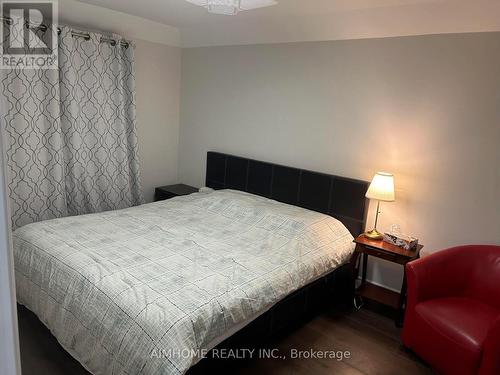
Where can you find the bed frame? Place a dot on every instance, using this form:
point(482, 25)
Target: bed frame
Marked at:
point(340, 197)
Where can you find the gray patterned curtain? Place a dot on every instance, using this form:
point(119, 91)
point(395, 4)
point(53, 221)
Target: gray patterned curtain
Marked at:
point(98, 123)
point(71, 135)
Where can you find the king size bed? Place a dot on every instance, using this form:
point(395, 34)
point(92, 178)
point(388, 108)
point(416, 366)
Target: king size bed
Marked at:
point(132, 291)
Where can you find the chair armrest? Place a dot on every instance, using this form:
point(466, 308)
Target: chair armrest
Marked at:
point(490, 363)
point(442, 274)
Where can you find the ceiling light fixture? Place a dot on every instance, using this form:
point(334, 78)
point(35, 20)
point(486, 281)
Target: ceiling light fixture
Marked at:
point(232, 7)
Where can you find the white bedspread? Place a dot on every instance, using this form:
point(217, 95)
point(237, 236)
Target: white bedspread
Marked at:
point(119, 287)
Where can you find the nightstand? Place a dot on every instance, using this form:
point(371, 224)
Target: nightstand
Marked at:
point(382, 250)
point(170, 191)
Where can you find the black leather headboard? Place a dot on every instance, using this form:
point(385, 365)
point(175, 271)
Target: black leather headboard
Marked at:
point(340, 197)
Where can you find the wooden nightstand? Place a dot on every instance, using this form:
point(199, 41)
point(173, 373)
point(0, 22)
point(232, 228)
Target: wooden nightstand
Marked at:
point(388, 252)
point(170, 191)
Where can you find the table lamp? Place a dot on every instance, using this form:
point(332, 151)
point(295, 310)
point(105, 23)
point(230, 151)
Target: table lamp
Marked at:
point(381, 189)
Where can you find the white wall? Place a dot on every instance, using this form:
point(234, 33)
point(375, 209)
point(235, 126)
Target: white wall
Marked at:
point(424, 108)
point(158, 74)
point(9, 340)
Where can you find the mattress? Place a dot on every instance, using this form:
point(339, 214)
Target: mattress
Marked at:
point(132, 291)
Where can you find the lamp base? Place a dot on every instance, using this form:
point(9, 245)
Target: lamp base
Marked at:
point(374, 234)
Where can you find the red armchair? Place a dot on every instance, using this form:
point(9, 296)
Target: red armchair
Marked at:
point(452, 316)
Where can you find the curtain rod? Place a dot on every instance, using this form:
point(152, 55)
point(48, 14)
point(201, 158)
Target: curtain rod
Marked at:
point(9, 21)
point(103, 39)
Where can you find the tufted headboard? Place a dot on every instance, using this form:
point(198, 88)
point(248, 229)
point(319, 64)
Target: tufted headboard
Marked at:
point(340, 197)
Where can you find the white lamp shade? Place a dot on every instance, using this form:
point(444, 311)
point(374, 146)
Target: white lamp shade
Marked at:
point(382, 187)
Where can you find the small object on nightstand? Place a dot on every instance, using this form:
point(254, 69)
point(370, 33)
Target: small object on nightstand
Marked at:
point(386, 251)
point(401, 240)
point(381, 189)
point(170, 191)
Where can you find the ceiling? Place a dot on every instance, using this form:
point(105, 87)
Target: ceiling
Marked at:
point(312, 20)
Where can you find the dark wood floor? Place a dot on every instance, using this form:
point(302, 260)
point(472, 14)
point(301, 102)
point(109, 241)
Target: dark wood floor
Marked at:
point(372, 340)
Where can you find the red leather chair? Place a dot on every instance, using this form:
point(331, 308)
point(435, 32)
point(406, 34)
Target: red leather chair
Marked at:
point(452, 316)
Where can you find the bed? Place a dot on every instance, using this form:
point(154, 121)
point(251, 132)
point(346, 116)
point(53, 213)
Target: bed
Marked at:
point(148, 289)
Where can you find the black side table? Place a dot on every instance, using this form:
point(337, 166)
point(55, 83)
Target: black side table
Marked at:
point(170, 191)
